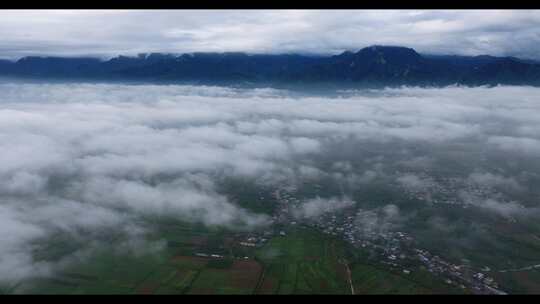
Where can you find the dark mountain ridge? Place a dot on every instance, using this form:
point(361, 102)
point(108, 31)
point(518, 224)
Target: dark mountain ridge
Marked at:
point(370, 66)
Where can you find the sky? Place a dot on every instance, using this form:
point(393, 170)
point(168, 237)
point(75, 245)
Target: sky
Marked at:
point(107, 33)
point(85, 159)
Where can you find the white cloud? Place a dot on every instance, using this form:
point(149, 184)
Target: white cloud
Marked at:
point(92, 157)
point(524, 145)
point(377, 220)
point(503, 208)
point(494, 180)
point(319, 206)
point(106, 33)
point(414, 183)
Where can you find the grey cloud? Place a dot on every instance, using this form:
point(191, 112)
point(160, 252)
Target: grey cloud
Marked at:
point(494, 180)
point(524, 145)
point(108, 33)
point(414, 183)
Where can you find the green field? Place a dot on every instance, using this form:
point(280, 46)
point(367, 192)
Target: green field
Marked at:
point(302, 262)
point(370, 279)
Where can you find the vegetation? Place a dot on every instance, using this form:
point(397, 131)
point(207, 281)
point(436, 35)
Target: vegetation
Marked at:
point(304, 261)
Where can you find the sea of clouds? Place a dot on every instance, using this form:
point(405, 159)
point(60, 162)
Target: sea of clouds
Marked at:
point(86, 158)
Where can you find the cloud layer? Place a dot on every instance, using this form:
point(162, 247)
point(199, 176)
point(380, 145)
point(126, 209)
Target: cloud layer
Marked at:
point(81, 159)
point(109, 33)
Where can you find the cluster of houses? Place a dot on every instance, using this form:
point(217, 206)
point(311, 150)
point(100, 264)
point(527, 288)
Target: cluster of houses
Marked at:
point(254, 240)
point(445, 190)
point(393, 248)
point(209, 255)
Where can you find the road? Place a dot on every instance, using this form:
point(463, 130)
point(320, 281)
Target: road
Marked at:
point(348, 275)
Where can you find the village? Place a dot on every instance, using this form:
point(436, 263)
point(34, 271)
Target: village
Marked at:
point(394, 249)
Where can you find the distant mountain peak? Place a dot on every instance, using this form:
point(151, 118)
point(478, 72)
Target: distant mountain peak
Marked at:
point(393, 55)
point(372, 65)
point(390, 49)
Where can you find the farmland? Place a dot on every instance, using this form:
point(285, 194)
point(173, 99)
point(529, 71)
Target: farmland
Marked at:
point(303, 261)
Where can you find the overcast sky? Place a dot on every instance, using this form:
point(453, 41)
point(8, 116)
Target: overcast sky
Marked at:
point(108, 33)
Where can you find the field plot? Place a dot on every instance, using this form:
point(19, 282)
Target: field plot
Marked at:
point(368, 279)
point(520, 282)
point(240, 277)
point(307, 262)
point(302, 262)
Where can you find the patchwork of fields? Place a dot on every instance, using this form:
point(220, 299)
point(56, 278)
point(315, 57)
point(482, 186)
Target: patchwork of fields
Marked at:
point(302, 262)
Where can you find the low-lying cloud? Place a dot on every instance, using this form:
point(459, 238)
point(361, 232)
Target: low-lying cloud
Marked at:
point(318, 206)
point(92, 157)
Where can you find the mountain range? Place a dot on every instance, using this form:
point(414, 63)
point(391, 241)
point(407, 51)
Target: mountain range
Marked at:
point(370, 66)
